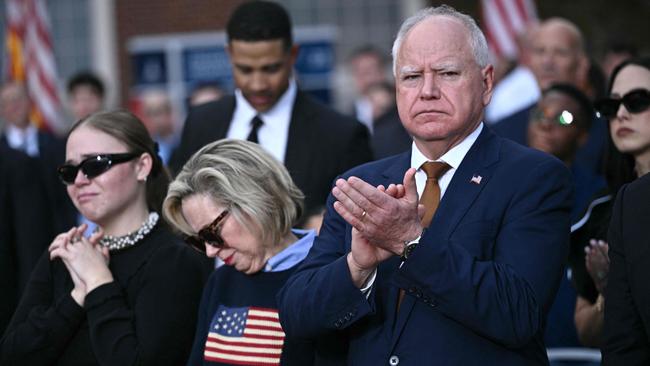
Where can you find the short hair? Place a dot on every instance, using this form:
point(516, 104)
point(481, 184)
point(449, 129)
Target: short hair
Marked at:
point(622, 46)
point(260, 21)
point(129, 129)
point(569, 26)
point(477, 39)
point(586, 108)
point(240, 175)
point(86, 78)
point(370, 50)
point(155, 99)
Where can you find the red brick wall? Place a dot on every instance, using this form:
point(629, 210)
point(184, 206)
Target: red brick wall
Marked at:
point(149, 17)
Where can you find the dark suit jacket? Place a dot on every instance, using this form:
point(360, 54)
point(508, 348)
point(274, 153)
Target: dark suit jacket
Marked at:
point(322, 143)
point(478, 285)
point(34, 208)
point(389, 136)
point(627, 296)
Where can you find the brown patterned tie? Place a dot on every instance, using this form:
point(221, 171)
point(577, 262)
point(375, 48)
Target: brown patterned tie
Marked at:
point(430, 199)
point(431, 194)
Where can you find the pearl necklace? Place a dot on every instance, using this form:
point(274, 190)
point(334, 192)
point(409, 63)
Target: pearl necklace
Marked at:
point(115, 243)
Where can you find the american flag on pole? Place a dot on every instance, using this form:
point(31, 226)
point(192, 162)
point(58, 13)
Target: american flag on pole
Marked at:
point(503, 20)
point(31, 60)
point(245, 336)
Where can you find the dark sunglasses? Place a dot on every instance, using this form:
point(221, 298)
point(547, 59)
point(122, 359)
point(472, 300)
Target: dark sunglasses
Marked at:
point(636, 101)
point(92, 166)
point(210, 234)
point(564, 118)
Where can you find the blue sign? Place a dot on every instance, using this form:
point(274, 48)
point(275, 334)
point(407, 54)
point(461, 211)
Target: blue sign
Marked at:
point(208, 62)
point(149, 68)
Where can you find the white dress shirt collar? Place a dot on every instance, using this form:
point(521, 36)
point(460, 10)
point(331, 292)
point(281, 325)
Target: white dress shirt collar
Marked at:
point(273, 135)
point(454, 157)
point(25, 140)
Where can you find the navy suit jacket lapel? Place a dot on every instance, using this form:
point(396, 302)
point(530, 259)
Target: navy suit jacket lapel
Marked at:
point(472, 176)
point(395, 172)
point(459, 196)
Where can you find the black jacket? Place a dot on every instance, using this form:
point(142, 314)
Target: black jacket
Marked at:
point(322, 142)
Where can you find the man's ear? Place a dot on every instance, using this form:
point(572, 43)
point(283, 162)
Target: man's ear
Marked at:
point(488, 83)
point(293, 54)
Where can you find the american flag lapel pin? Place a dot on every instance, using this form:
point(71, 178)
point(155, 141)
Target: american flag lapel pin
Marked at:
point(476, 179)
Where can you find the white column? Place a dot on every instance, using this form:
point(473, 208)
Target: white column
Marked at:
point(103, 46)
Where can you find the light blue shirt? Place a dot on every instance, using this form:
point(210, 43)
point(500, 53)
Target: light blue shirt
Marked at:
point(293, 254)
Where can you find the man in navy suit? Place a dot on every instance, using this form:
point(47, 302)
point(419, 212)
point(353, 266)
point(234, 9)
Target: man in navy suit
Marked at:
point(313, 141)
point(472, 287)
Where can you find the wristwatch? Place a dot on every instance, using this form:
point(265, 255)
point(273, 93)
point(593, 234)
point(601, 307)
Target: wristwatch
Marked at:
point(409, 246)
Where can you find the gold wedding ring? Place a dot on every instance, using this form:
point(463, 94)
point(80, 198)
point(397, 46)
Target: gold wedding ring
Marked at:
point(363, 214)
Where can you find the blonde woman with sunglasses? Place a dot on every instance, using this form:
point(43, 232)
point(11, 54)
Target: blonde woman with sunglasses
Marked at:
point(235, 202)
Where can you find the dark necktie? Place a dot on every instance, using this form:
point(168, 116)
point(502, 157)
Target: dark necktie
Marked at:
point(256, 123)
point(431, 194)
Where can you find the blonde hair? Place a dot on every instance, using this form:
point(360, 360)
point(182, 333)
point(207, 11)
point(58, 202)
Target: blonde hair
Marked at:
point(243, 177)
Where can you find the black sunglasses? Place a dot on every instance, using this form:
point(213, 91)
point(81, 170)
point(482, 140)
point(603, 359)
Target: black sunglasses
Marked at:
point(636, 101)
point(210, 234)
point(92, 166)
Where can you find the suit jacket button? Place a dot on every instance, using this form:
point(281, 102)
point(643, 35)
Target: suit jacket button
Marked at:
point(393, 360)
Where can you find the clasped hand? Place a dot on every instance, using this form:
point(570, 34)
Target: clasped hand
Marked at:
point(85, 260)
point(597, 263)
point(383, 218)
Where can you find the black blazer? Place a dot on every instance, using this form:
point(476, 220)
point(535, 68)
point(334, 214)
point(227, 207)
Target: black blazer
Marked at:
point(322, 142)
point(627, 296)
point(34, 208)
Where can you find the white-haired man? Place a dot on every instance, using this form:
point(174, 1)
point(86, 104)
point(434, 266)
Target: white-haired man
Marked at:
point(462, 280)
